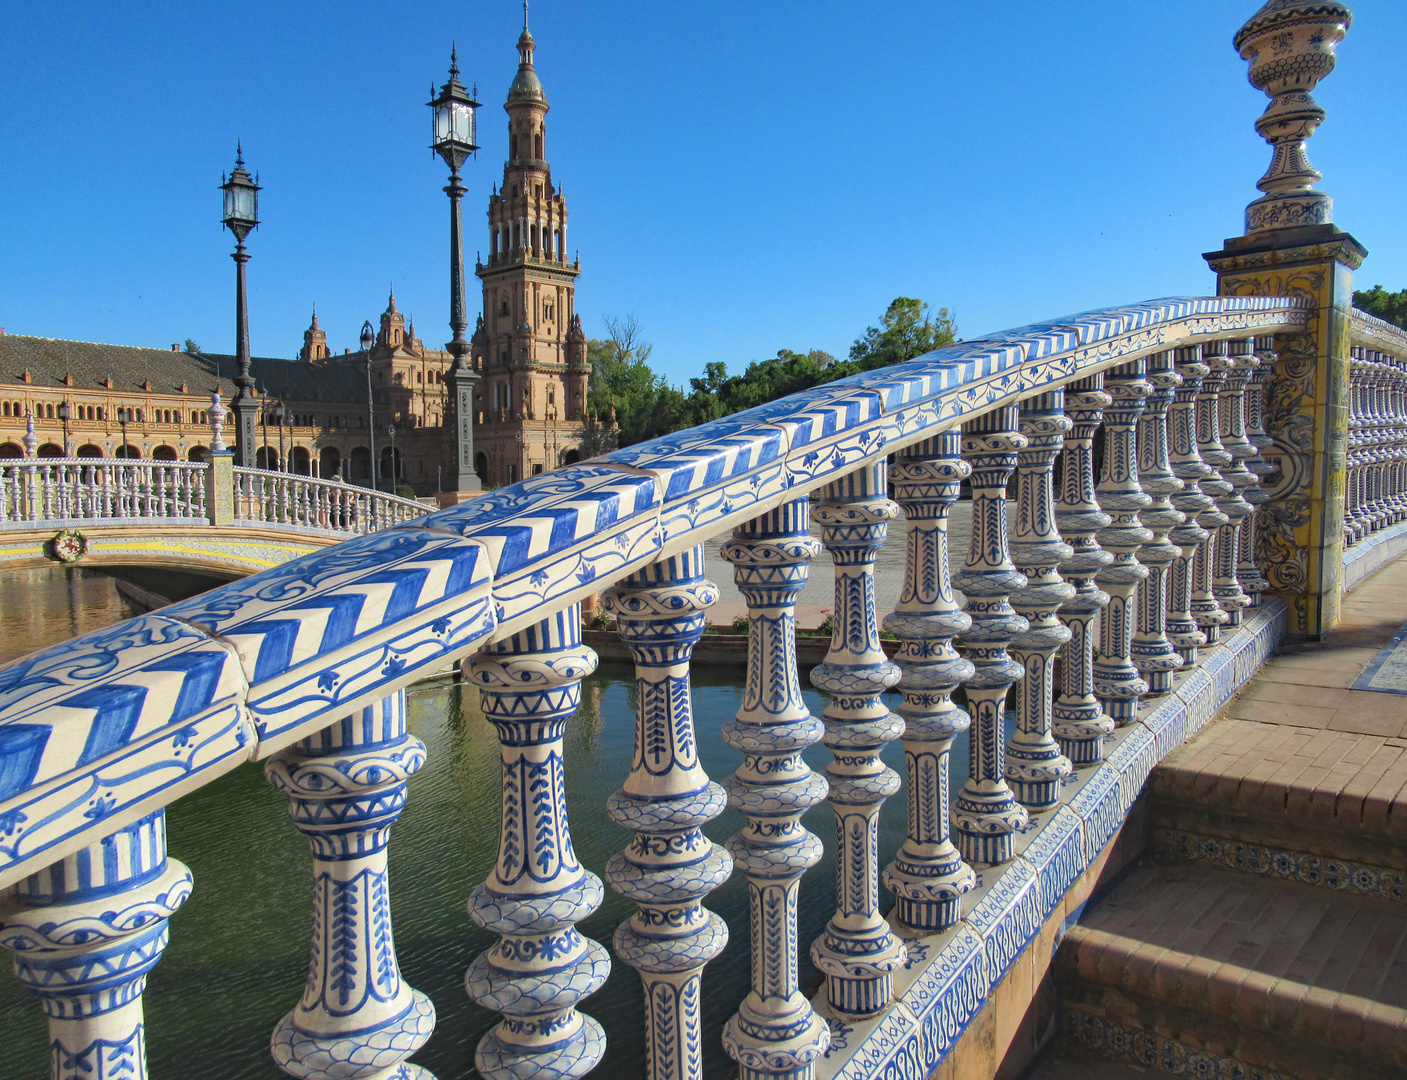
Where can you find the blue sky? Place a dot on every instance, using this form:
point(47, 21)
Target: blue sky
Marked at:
point(742, 176)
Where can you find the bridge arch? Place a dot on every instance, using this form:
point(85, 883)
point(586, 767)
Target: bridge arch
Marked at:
point(266, 457)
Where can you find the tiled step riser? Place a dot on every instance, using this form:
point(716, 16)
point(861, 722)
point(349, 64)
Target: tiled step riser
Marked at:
point(1171, 845)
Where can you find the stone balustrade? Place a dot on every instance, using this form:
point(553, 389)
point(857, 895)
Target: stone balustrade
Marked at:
point(303, 667)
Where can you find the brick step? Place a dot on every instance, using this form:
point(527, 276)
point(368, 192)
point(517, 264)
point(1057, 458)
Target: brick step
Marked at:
point(1319, 807)
point(1203, 972)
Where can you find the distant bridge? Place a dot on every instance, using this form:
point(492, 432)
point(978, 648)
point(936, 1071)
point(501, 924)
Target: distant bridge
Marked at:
point(210, 516)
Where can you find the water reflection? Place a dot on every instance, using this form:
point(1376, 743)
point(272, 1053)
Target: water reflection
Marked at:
point(238, 953)
point(50, 604)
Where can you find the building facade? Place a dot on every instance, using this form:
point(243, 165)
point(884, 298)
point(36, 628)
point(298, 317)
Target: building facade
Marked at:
point(343, 411)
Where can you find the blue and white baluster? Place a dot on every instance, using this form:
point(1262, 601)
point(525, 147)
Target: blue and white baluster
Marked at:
point(1354, 484)
point(928, 875)
point(670, 866)
point(1079, 723)
point(1035, 767)
point(1212, 591)
point(1231, 420)
point(541, 968)
point(346, 787)
point(1153, 654)
point(985, 813)
point(1248, 571)
point(1186, 615)
point(857, 953)
point(85, 932)
point(775, 1034)
point(1116, 681)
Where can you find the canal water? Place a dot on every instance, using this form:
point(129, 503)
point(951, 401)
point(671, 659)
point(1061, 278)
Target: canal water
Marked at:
point(238, 952)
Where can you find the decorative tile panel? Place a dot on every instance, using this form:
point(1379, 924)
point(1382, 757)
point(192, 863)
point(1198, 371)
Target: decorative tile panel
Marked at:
point(1008, 915)
point(1057, 855)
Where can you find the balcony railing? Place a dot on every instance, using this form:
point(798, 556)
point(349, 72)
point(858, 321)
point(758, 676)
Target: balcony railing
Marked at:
point(1154, 560)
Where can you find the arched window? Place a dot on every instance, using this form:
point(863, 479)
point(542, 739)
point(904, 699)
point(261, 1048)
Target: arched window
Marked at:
point(198, 453)
point(88, 450)
point(164, 453)
point(49, 411)
point(11, 450)
point(513, 150)
point(537, 146)
point(5, 409)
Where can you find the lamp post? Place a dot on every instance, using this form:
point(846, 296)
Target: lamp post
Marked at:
point(454, 141)
point(124, 417)
point(64, 413)
point(391, 431)
point(241, 215)
point(278, 414)
point(368, 340)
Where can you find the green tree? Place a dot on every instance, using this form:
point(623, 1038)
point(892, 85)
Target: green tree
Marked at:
point(1391, 306)
point(622, 379)
point(907, 330)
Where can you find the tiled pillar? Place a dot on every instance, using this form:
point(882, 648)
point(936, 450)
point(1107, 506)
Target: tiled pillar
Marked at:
point(857, 953)
point(775, 1034)
point(1153, 654)
point(666, 800)
point(346, 787)
point(1116, 681)
point(1035, 767)
point(986, 814)
point(928, 875)
point(541, 967)
point(85, 932)
point(1080, 725)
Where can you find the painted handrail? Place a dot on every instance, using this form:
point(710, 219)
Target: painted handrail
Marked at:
point(298, 664)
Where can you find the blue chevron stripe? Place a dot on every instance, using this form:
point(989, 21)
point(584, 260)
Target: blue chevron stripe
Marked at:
point(406, 584)
point(275, 647)
point(118, 708)
point(343, 609)
point(202, 670)
point(21, 749)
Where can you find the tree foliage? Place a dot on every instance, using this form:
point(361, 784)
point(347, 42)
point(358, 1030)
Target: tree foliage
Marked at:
point(1391, 306)
point(647, 406)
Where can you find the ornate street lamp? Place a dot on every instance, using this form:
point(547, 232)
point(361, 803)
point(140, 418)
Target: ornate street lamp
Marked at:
point(391, 431)
point(278, 414)
point(454, 142)
point(368, 340)
point(124, 417)
point(241, 215)
point(64, 413)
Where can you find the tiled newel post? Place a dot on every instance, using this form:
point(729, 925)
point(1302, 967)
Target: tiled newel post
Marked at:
point(1186, 614)
point(1116, 681)
point(985, 813)
point(928, 875)
point(670, 866)
point(1153, 654)
point(1080, 725)
point(346, 785)
point(541, 968)
point(1035, 767)
point(775, 1033)
point(857, 953)
point(85, 932)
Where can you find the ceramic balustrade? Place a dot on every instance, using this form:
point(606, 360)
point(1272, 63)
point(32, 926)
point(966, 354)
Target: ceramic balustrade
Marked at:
point(346, 785)
point(1191, 538)
point(1207, 611)
point(666, 800)
point(986, 815)
point(541, 968)
point(1035, 766)
point(1152, 652)
point(1078, 720)
point(775, 1032)
point(469, 568)
point(85, 933)
point(928, 875)
point(857, 952)
point(1248, 571)
point(1231, 431)
point(1376, 487)
point(1117, 682)
point(64, 490)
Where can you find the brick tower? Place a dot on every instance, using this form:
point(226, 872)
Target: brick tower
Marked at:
point(528, 347)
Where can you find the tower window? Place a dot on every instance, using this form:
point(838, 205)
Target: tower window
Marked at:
point(537, 142)
point(513, 151)
point(547, 311)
